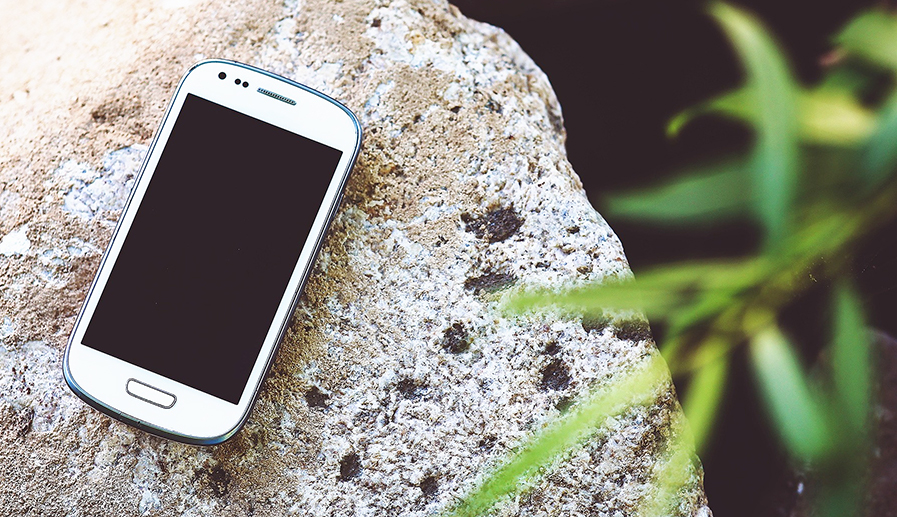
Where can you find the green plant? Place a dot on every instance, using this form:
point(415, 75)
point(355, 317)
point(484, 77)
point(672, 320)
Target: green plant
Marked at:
point(820, 175)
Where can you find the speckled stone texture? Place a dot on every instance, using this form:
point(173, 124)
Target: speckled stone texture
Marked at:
point(400, 382)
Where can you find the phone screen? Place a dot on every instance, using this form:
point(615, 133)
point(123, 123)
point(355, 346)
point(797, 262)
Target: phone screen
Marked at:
point(211, 249)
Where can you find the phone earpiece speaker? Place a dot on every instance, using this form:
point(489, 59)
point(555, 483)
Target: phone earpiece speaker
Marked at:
point(277, 96)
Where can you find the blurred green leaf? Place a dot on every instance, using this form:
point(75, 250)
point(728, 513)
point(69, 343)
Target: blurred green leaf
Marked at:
point(594, 298)
point(847, 79)
point(789, 398)
point(840, 497)
point(880, 159)
point(673, 475)
point(871, 36)
point(737, 104)
point(659, 292)
point(706, 306)
point(826, 116)
point(832, 117)
point(851, 364)
point(775, 156)
point(708, 195)
point(703, 396)
point(541, 450)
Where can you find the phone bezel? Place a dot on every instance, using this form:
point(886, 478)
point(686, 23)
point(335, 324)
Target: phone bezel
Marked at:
point(197, 417)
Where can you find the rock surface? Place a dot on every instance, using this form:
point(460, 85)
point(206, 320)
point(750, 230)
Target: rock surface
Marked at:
point(400, 382)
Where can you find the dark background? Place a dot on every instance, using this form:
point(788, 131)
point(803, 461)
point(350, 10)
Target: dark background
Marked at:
point(621, 70)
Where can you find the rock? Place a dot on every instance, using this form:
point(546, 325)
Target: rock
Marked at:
point(400, 382)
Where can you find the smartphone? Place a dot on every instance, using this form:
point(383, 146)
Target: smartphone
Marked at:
point(211, 252)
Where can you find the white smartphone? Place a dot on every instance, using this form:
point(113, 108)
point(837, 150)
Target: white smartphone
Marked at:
point(211, 252)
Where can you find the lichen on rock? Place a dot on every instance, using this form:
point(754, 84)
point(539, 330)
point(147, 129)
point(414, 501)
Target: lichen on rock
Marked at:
point(400, 382)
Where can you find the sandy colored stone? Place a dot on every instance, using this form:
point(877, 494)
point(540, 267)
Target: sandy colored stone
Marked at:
point(400, 381)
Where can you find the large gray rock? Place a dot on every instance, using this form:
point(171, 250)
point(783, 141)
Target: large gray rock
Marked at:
point(400, 382)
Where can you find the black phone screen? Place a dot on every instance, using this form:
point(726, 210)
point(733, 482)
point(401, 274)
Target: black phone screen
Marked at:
point(208, 257)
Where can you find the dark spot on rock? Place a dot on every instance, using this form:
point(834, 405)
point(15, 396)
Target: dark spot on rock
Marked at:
point(100, 114)
point(417, 118)
point(555, 376)
point(573, 229)
point(365, 417)
point(429, 486)
point(557, 121)
point(634, 330)
point(486, 443)
point(542, 265)
point(315, 398)
point(455, 339)
point(552, 348)
point(26, 420)
point(375, 23)
point(349, 467)
point(584, 270)
point(563, 404)
point(601, 496)
point(490, 281)
point(16, 423)
point(596, 322)
point(455, 109)
point(410, 389)
point(216, 478)
point(653, 440)
point(113, 110)
point(495, 226)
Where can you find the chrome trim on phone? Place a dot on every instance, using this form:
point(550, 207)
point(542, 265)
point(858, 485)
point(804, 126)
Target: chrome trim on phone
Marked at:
point(145, 392)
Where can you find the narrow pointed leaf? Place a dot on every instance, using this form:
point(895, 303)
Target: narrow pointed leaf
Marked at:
point(595, 298)
point(673, 476)
point(871, 36)
point(659, 293)
point(736, 104)
point(852, 364)
point(524, 467)
point(829, 116)
point(789, 399)
point(775, 156)
point(703, 397)
point(704, 196)
point(880, 157)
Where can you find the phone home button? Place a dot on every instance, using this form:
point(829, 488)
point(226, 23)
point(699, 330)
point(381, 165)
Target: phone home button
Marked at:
point(147, 393)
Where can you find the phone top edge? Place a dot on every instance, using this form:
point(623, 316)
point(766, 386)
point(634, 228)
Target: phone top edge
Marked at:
point(350, 113)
